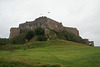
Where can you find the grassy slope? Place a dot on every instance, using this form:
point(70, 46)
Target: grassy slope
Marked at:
point(60, 52)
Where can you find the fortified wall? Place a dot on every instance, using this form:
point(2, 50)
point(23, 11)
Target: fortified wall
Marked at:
point(42, 22)
point(14, 32)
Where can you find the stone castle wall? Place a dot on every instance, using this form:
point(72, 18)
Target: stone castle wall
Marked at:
point(14, 32)
point(87, 42)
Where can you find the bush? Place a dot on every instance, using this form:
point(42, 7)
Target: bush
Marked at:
point(30, 35)
point(69, 36)
point(39, 31)
point(72, 37)
point(42, 38)
point(20, 39)
point(61, 35)
point(4, 41)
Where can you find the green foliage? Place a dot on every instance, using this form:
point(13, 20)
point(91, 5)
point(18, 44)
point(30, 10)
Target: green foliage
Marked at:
point(61, 35)
point(4, 41)
point(69, 36)
point(30, 35)
point(52, 32)
point(41, 38)
point(20, 39)
point(39, 31)
point(72, 37)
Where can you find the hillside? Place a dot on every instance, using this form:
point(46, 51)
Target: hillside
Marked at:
point(52, 53)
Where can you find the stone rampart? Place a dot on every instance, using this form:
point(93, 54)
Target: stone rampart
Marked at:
point(14, 32)
point(87, 42)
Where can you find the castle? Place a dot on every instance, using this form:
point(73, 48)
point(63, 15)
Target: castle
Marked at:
point(44, 22)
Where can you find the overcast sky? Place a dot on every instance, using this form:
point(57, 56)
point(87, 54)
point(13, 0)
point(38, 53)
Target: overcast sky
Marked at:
point(81, 14)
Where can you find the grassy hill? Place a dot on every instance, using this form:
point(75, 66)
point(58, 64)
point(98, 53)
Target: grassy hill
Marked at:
point(53, 53)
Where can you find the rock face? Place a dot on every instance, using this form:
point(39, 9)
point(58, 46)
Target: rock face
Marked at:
point(42, 22)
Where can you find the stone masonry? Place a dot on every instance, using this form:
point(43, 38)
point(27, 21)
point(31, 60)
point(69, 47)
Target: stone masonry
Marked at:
point(14, 32)
point(87, 42)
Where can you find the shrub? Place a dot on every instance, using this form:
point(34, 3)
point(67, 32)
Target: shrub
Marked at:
point(42, 38)
point(4, 41)
point(61, 35)
point(30, 35)
point(69, 36)
point(19, 39)
point(39, 31)
point(72, 37)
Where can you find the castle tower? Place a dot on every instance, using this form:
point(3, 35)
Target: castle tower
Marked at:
point(14, 32)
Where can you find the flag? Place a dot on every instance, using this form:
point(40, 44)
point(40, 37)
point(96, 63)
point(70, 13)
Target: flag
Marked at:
point(48, 12)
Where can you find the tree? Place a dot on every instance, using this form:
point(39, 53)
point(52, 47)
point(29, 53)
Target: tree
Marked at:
point(30, 35)
point(42, 38)
point(39, 31)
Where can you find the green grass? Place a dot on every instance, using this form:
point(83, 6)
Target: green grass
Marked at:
point(53, 53)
